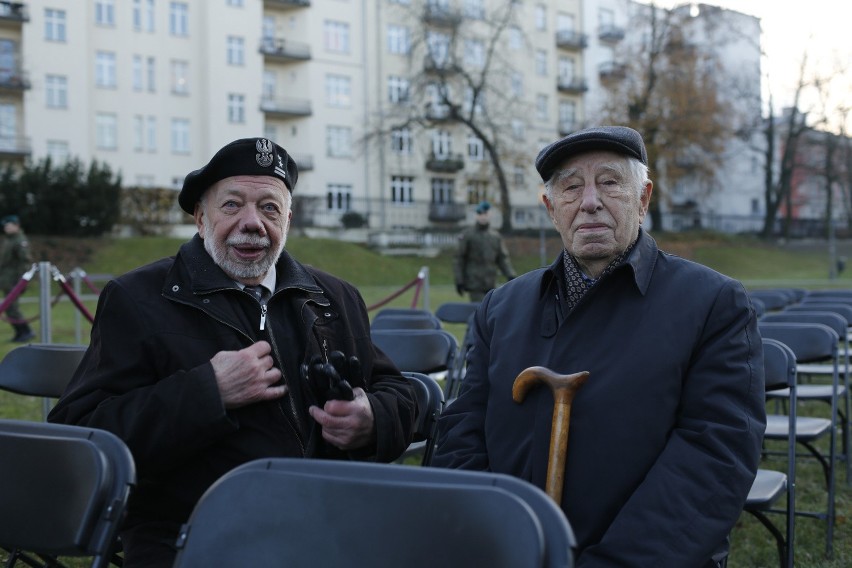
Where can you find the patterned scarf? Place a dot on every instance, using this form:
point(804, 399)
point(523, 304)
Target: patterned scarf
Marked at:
point(578, 284)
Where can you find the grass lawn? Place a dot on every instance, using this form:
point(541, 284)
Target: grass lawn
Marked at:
point(756, 264)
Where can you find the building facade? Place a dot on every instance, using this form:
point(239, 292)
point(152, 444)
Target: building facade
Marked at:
point(391, 108)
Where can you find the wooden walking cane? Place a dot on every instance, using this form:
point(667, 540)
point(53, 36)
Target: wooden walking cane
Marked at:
point(564, 387)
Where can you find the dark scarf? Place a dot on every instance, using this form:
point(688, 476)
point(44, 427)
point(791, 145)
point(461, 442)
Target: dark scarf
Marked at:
point(578, 284)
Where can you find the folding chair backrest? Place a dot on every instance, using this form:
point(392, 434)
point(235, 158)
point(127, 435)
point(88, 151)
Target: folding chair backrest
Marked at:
point(456, 312)
point(417, 350)
point(773, 299)
point(829, 293)
point(63, 489)
point(40, 369)
point(406, 321)
point(333, 511)
point(844, 310)
point(809, 341)
point(430, 404)
point(833, 320)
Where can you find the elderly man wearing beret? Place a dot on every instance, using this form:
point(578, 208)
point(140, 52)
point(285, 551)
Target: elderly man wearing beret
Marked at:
point(666, 432)
point(231, 351)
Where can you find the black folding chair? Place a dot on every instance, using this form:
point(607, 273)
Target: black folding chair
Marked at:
point(458, 312)
point(63, 492)
point(309, 513)
point(769, 485)
point(812, 342)
point(40, 369)
point(406, 321)
point(429, 351)
point(430, 404)
point(773, 299)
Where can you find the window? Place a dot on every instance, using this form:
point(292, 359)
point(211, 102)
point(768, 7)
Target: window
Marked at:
point(137, 14)
point(336, 36)
point(540, 16)
point(136, 70)
point(268, 86)
point(518, 175)
point(234, 2)
point(474, 53)
point(151, 133)
point(148, 18)
point(567, 116)
point(475, 148)
point(270, 132)
point(518, 129)
point(437, 108)
point(442, 143)
point(56, 91)
point(105, 12)
point(179, 19)
point(54, 25)
point(151, 73)
point(516, 38)
point(566, 70)
point(541, 107)
point(180, 77)
point(268, 30)
point(8, 126)
point(106, 131)
point(541, 62)
point(236, 108)
point(401, 141)
point(339, 197)
point(236, 51)
point(138, 132)
point(469, 104)
point(399, 41)
point(338, 141)
point(474, 9)
point(438, 48)
point(442, 190)
point(402, 190)
point(516, 82)
point(477, 191)
point(565, 22)
point(338, 91)
point(397, 89)
point(180, 135)
point(105, 69)
point(145, 180)
point(57, 151)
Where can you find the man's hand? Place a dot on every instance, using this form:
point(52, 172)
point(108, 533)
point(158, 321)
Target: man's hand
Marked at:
point(247, 376)
point(348, 425)
point(460, 289)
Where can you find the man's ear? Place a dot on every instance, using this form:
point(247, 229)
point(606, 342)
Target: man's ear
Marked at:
point(198, 214)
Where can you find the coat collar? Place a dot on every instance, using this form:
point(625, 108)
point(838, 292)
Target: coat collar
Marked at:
point(641, 260)
point(205, 276)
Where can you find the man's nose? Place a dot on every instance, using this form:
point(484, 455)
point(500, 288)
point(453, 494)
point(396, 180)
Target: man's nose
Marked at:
point(251, 221)
point(590, 200)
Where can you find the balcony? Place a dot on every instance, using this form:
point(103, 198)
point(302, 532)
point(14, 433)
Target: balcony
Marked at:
point(432, 65)
point(571, 85)
point(14, 80)
point(612, 70)
point(13, 14)
point(286, 4)
point(610, 33)
point(447, 212)
point(569, 39)
point(438, 112)
point(445, 163)
point(14, 147)
point(304, 162)
point(442, 16)
point(286, 107)
point(282, 50)
point(566, 127)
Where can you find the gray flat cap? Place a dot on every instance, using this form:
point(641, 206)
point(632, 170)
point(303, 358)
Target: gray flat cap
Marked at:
point(620, 139)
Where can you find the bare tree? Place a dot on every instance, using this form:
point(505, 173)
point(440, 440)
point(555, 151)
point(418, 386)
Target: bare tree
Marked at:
point(461, 74)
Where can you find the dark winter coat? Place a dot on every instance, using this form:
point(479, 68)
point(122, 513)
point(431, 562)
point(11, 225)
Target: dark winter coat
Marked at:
point(665, 434)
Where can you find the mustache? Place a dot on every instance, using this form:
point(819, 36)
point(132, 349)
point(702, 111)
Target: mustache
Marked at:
point(250, 240)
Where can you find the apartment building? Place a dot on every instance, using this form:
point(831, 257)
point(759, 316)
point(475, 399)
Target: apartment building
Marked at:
point(365, 94)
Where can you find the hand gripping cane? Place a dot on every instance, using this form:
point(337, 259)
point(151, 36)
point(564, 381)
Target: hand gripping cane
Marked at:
point(564, 388)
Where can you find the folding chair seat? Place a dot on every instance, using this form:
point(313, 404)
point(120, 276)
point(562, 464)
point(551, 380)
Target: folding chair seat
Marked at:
point(823, 392)
point(63, 492)
point(334, 509)
point(429, 351)
point(406, 321)
point(458, 312)
point(430, 404)
point(769, 485)
point(811, 342)
point(40, 369)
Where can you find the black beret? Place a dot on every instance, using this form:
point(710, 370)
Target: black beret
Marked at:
point(620, 139)
point(244, 157)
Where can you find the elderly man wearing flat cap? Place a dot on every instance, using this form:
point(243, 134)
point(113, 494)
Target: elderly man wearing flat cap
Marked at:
point(232, 351)
point(665, 433)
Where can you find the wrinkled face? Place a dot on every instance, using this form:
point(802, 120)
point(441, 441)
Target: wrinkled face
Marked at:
point(597, 204)
point(244, 222)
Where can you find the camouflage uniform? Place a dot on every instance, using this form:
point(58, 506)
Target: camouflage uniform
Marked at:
point(15, 259)
point(480, 253)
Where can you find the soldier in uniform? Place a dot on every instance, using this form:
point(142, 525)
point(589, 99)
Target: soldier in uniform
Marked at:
point(15, 259)
point(480, 253)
